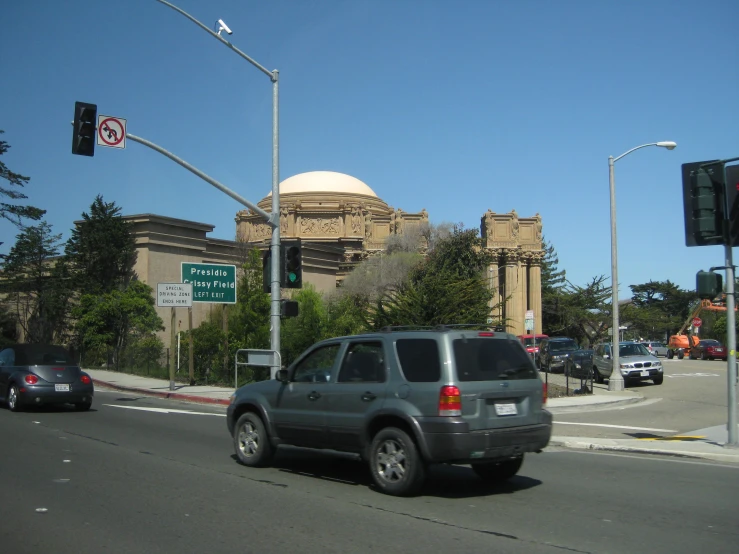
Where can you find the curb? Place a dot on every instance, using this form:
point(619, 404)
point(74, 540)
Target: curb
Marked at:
point(170, 395)
point(593, 406)
point(577, 444)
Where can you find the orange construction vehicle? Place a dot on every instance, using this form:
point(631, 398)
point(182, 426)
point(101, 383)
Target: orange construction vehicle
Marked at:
point(680, 344)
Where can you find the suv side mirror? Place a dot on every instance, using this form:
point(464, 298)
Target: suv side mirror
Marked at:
point(281, 375)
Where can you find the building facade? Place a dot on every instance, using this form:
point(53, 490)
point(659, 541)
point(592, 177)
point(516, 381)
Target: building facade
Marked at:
point(339, 221)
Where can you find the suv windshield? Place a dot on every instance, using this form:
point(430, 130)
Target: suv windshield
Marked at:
point(562, 345)
point(632, 350)
point(492, 360)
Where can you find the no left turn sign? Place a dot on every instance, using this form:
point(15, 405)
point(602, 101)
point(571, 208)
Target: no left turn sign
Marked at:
point(111, 131)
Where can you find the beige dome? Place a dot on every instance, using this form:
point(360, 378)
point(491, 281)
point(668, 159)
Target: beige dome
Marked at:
point(324, 181)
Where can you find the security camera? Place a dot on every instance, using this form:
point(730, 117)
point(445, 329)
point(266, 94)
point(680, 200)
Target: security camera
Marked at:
point(223, 27)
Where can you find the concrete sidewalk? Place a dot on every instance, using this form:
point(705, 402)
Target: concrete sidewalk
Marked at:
point(700, 444)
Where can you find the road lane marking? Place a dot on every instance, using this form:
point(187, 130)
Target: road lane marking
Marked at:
point(674, 438)
point(693, 375)
point(163, 410)
point(615, 426)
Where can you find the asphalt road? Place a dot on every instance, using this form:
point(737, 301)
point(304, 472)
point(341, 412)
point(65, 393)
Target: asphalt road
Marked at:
point(123, 480)
point(693, 396)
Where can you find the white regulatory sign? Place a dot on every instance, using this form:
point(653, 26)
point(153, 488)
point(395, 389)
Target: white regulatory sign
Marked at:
point(111, 131)
point(174, 295)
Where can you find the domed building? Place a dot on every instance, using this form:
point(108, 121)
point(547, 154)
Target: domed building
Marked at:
point(338, 221)
point(328, 213)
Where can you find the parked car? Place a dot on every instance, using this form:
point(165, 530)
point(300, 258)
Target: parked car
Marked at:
point(656, 348)
point(402, 400)
point(637, 364)
point(579, 364)
point(553, 352)
point(708, 349)
point(531, 342)
point(37, 374)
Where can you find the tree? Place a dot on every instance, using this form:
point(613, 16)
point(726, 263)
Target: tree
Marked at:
point(298, 333)
point(553, 281)
point(585, 311)
point(102, 250)
point(14, 212)
point(658, 308)
point(249, 317)
point(448, 287)
point(36, 286)
point(111, 321)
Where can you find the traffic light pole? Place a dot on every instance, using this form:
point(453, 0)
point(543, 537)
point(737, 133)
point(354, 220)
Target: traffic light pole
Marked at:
point(274, 218)
point(731, 346)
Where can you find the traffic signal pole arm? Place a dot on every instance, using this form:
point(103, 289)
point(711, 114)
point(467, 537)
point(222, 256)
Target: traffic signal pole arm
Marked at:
point(273, 221)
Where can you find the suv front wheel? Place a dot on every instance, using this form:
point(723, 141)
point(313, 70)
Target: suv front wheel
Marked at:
point(251, 442)
point(496, 472)
point(396, 465)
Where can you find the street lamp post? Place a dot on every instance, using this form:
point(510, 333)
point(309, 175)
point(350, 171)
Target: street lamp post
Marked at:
point(616, 380)
point(275, 214)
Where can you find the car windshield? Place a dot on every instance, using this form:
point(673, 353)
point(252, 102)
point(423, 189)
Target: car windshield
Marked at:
point(632, 350)
point(710, 342)
point(562, 345)
point(531, 341)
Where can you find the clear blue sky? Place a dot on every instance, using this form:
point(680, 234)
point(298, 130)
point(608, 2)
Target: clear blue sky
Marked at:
point(453, 106)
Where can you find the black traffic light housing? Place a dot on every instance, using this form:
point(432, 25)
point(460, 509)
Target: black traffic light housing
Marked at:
point(292, 267)
point(289, 308)
point(732, 202)
point(83, 131)
point(708, 284)
point(266, 267)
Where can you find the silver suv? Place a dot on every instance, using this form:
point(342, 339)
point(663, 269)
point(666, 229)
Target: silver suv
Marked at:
point(637, 364)
point(401, 399)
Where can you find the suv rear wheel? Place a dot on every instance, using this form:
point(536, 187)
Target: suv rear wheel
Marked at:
point(251, 442)
point(396, 465)
point(495, 472)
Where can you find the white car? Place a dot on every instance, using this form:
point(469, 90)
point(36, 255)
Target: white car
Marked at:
point(655, 348)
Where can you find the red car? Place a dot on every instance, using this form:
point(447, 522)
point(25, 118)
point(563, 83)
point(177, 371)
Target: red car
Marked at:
point(531, 342)
point(708, 349)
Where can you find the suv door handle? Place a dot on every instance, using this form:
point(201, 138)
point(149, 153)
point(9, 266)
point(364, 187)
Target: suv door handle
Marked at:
point(368, 396)
point(314, 395)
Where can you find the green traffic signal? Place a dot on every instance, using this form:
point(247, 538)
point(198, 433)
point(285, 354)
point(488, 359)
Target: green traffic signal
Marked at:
point(293, 270)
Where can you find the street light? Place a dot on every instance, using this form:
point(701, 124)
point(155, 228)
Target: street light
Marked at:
point(616, 381)
point(274, 221)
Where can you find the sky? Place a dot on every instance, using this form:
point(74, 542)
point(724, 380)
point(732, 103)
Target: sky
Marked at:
point(453, 106)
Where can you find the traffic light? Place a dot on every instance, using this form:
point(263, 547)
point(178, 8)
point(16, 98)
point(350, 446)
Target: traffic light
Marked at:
point(83, 132)
point(289, 308)
point(732, 197)
point(708, 284)
point(292, 267)
point(266, 271)
point(703, 203)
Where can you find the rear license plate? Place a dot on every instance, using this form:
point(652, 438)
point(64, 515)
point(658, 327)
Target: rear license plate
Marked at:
point(61, 388)
point(645, 374)
point(505, 409)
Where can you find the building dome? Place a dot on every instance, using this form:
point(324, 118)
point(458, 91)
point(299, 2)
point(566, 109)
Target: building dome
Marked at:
point(324, 181)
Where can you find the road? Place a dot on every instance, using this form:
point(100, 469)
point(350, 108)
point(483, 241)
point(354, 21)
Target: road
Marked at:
point(693, 396)
point(124, 479)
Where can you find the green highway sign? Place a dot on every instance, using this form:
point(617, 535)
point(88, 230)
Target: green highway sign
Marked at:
point(215, 283)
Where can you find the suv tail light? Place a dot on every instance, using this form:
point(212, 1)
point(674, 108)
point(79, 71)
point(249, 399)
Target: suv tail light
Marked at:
point(544, 393)
point(85, 379)
point(31, 379)
point(450, 401)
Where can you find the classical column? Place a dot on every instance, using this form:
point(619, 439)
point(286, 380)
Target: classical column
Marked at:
point(514, 316)
point(523, 279)
point(535, 289)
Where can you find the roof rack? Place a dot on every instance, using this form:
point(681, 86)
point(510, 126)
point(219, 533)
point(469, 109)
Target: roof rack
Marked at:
point(486, 326)
point(390, 328)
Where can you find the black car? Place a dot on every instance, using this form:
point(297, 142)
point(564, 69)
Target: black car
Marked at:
point(37, 374)
point(554, 351)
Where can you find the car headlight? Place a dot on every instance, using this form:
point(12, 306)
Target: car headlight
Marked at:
point(231, 398)
point(578, 366)
point(627, 366)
